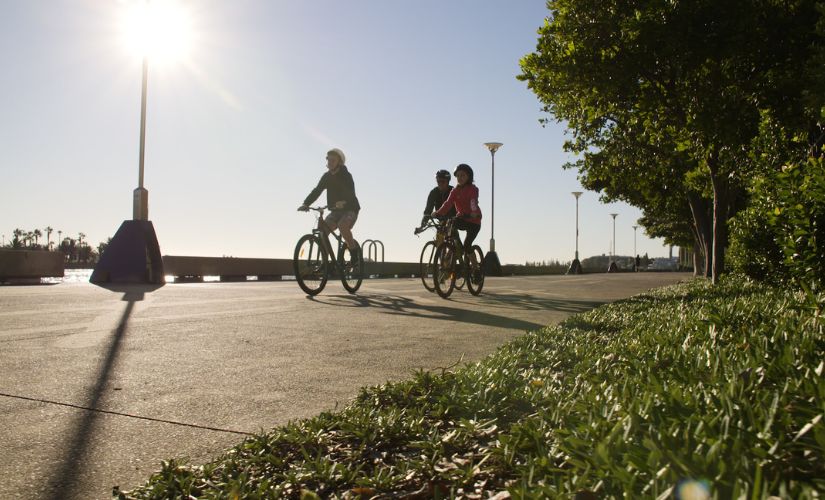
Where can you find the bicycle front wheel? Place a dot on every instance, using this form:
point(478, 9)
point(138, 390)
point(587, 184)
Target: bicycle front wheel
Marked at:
point(445, 268)
point(353, 270)
point(310, 264)
point(425, 265)
point(475, 270)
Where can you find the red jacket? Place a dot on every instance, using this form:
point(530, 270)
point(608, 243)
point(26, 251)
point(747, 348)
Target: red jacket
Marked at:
point(465, 200)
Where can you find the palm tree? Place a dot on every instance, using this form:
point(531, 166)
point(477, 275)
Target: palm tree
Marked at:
point(49, 231)
point(28, 239)
point(37, 234)
point(15, 243)
point(80, 237)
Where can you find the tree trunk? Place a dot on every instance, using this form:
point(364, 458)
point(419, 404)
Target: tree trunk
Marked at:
point(696, 252)
point(700, 209)
point(720, 216)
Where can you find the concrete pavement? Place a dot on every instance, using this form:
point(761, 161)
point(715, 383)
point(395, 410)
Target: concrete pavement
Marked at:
point(98, 386)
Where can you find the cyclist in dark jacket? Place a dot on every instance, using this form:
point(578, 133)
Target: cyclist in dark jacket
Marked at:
point(438, 195)
point(341, 199)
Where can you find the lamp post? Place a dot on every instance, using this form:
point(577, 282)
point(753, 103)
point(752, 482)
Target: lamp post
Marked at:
point(133, 255)
point(492, 265)
point(576, 265)
point(140, 206)
point(612, 268)
point(635, 267)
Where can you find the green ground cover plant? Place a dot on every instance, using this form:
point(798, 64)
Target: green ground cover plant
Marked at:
point(715, 389)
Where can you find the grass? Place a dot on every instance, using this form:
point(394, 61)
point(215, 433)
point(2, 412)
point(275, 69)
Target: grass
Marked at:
point(716, 390)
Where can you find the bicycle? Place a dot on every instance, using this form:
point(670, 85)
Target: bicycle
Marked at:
point(450, 262)
point(314, 259)
point(425, 262)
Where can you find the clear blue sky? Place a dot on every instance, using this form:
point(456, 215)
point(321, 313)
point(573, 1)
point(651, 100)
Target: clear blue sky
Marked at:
point(237, 131)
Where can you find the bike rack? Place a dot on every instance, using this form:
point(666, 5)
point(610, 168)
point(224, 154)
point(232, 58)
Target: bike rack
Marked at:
point(369, 246)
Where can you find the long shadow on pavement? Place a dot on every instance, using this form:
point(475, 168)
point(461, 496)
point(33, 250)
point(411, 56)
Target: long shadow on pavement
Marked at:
point(528, 302)
point(65, 479)
point(404, 306)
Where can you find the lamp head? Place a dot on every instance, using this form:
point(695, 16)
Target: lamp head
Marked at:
point(493, 146)
point(614, 216)
point(577, 194)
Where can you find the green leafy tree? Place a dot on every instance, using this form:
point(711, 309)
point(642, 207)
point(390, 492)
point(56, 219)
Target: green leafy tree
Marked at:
point(689, 76)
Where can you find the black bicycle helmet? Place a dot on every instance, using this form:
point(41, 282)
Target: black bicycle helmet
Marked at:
point(442, 174)
point(466, 168)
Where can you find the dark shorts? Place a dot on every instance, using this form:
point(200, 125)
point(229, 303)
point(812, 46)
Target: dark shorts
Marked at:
point(336, 216)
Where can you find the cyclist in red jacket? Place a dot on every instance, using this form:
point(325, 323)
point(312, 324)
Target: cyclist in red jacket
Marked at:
point(464, 198)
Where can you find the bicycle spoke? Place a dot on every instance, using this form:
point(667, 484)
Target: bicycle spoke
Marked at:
point(310, 265)
point(475, 270)
point(353, 271)
point(425, 265)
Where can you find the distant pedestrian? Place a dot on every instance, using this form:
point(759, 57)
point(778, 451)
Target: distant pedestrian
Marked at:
point(638, 264)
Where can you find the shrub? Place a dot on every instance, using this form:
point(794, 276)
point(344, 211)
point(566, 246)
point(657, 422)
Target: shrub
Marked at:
point(781, 235)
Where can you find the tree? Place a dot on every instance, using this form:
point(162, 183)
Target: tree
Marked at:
point(690, 76)
point(49, 230)
point(17, 234)
point(37, 235)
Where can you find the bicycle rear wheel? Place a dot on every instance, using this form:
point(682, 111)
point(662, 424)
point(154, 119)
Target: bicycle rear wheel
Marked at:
point(475, 270)
point(425, 265)
point(445, 269)
point(353, 270)
point(310, 264)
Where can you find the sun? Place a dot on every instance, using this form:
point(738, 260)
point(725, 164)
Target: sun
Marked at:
point(159, 29)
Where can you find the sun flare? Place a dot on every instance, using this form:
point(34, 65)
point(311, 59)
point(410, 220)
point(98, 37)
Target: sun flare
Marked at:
point(160, 30)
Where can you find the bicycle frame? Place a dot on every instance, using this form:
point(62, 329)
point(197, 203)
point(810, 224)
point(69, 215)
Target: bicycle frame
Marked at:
point(452, 237)
point(441, 229)
point(322, 231)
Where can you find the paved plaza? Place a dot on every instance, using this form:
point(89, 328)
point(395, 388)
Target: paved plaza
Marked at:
point(98, 386)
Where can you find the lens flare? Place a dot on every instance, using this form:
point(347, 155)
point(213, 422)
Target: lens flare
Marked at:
point(160, 30)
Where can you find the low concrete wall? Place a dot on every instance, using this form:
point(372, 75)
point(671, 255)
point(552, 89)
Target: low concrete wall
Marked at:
point(188, 269)
point(30, 264)
point(26, 264)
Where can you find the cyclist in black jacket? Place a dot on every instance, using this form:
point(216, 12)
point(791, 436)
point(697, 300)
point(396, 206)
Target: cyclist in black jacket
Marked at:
point(438, 195)
point(341, 199)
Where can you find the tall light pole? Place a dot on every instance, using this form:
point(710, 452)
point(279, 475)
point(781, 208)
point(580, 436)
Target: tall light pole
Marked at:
point(140, 206)
point(133, 255)
point(612, 268)
point(576, 265)
point(492, 265)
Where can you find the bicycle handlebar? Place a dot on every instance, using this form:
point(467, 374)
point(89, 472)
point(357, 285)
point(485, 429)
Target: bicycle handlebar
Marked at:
point(307, 209)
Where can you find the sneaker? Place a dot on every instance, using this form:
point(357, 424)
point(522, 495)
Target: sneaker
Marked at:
point(355, 254)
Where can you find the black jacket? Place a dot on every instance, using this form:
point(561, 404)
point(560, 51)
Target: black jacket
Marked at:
point(339, 186)
point(434, 201)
